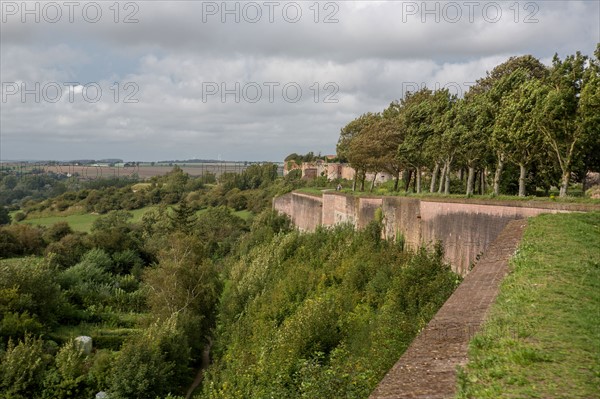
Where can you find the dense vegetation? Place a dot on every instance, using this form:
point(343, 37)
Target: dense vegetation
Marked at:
point(322, 315)
point(523, 126)
point(541, 338)
point(152, 294)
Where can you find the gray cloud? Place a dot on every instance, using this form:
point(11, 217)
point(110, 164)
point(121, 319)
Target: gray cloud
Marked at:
point(369, 57)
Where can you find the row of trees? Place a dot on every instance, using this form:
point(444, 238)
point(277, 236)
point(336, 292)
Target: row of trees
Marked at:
point(545, 120)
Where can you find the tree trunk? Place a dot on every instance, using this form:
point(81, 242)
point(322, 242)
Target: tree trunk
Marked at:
point(447, 186)
point(461, 176)
point(442, 178)
point(363, 176)
point(436, 170)
point(483, 181)
point(408, 176)
point(418, 179)
point(470, 180)
point(564, 184)
point(373, 182)
point(498, 174)
point(523, 172)
point(396, 181)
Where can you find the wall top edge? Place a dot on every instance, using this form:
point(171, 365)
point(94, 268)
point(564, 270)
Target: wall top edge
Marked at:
point(560, 206)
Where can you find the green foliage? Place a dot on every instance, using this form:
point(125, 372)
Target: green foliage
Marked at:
point(4, 216)
point(321, 315)
point(22, 368)
point(152, 364)
point(544, 120)
point(68, 380)
point(115, 233)
point(218, 229)
point(183, 282)
point(57, 231)
point(183, 218)
point(29, 294)
point(67, 251)
point(20, 239)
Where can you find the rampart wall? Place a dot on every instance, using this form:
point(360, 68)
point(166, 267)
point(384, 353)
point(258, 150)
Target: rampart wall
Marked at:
point(465, 227)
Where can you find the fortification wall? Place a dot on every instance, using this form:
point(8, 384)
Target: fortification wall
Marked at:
point(465, 227)
point(307, 211)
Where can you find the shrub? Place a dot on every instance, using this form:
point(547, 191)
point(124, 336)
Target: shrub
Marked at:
point(22, 368)
point(19, 216)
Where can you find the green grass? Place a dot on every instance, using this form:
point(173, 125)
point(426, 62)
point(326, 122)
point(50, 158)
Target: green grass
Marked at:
point(77, 222)
point(83, 222)
point(313, 190)
point(542, 337)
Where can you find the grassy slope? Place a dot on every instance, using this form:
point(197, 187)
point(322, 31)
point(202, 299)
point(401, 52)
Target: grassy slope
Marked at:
point(83, 222)
point(542, 338)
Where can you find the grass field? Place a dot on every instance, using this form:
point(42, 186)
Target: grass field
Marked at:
point(542, 337)
point(83, 222)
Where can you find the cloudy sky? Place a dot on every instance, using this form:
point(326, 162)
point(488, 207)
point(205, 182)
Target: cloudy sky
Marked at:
point(154, 80)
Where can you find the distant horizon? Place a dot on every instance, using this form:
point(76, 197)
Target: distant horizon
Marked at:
point(140, 161)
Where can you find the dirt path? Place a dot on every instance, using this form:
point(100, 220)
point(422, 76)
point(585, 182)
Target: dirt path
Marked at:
point(203, 365)
point(428, 367)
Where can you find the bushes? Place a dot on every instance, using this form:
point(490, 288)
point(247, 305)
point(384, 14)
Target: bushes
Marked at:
point(29, 285)
point(152, 364)
point(21, 239)
point(321, 315)
point(22, 368)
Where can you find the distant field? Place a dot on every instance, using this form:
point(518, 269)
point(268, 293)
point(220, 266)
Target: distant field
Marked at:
point(83, 222)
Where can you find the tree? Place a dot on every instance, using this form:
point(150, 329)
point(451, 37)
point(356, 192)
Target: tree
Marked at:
point(345, 149)
point(183, 281)
point(474, 116)
point(152, 364)
point(368, 151)
point(114, 232)
point(561, 115)
point(416, 114)
point(449, 142)
point(589, 119)
point(4, 216)
point(497, 84)
point(183, 218)
point(515, 122)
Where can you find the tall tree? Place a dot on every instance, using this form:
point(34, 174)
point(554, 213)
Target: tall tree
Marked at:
point(560, 117)
point(498, 83)
point(183, 218)
point(472, 117)
point(589, 119)
point(515, 123)
point(346, 150)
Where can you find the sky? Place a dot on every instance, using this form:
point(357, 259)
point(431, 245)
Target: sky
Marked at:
point(244, 80)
